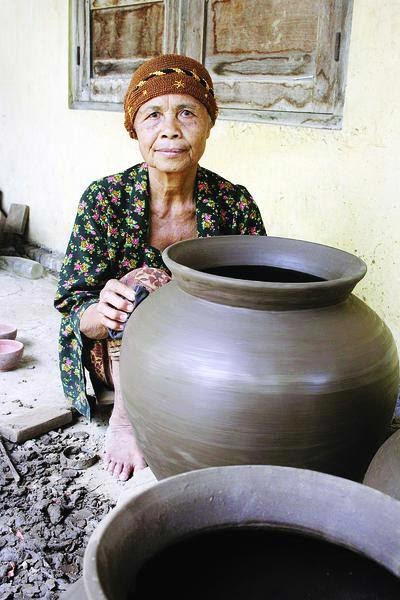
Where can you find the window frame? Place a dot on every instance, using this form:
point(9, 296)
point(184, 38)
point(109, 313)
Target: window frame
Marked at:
point(184, 33)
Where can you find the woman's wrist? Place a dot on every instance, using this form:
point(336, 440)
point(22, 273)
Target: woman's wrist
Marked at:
point(91, 325)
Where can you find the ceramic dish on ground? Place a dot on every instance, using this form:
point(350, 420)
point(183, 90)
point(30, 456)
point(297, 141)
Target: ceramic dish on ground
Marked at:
point(7, 332)
point(10, 354)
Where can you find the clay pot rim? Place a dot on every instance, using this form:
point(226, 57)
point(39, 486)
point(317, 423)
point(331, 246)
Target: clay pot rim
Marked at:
point(10, 353)
point(264, 295)
point(318, 505)
point(16, 346)
point(7, 332)
point(177, 267)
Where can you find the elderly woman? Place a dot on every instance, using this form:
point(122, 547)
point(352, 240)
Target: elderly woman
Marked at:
point(125, 221)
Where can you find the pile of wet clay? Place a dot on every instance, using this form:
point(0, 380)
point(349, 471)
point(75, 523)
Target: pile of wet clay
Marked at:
point(46, 518)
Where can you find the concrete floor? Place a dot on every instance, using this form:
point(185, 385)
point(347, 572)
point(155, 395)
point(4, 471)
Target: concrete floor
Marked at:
point(28, 305)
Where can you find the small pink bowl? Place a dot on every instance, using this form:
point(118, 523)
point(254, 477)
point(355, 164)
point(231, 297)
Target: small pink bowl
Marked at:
point(7, 332)
point(10, 354)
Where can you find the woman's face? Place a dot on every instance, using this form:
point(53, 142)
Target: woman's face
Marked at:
point(172, 131)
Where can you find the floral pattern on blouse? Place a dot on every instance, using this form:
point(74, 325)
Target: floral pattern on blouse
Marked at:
point(110, 238)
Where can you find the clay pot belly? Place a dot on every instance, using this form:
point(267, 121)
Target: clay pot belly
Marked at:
point(210, 384)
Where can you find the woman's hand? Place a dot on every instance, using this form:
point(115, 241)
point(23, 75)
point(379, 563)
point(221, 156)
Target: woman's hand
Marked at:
point(111, 312)
point(116, 301)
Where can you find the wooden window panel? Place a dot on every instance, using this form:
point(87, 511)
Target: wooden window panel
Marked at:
point(122, 37)
point(275, 60)
point(112, 38)
point(262, 56)
point(121, 40)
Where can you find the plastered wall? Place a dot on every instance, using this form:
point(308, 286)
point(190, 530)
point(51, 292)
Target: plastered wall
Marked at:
point(335, 187)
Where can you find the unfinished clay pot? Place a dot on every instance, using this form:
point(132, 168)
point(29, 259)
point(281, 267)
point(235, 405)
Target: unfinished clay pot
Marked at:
point(258, 353)
point(7, 332)
point(248, 532)
point(10, 354)
point(384, 471)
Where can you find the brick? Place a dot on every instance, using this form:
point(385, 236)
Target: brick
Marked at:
point(34, 422)
point(17, 219)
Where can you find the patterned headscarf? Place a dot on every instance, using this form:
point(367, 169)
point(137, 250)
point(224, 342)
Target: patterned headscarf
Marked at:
point(168, 74)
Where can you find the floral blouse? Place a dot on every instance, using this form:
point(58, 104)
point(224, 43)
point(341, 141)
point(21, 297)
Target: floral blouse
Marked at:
point(110, 238)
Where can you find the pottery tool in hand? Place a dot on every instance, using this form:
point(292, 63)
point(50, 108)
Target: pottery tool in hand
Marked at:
point(141, 293)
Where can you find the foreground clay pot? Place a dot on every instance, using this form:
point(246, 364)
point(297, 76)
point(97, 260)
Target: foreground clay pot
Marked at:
point(248, 532)
point(297, 371)
point(10, 354)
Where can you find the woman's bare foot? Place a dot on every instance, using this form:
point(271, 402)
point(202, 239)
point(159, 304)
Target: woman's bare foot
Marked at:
point(122, 455)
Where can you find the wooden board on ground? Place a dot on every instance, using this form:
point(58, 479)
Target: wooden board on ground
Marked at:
point(21, 427)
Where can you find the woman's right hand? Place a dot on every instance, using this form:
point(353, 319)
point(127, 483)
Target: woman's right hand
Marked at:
point(115, 303)
point(111, 312)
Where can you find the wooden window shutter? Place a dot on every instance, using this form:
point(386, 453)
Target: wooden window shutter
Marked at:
point(277, 60)
point(112, 39)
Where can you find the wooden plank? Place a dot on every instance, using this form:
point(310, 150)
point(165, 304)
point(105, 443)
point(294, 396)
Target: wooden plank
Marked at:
point(264, 67)
point(171, 26)
point(284, 117)
point(113, 68)
point(325, 66)
point(191, 30)
point(32, 423)
point(270, 117)
point(98, 4)
point(79, 55)
point(109, 89)
point(343, 26)
point(285, 95)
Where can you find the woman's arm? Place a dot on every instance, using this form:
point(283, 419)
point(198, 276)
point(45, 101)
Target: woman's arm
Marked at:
point(88, 293)
point(87, 265)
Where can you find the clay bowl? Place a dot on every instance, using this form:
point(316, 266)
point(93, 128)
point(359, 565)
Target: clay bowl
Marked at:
point(7, 332)
point(10, 354)
point(241, 532)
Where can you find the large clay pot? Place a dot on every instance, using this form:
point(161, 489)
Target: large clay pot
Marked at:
point(235, 533)
point(296, 371)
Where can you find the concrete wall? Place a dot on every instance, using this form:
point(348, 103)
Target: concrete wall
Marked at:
point(333, 187)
